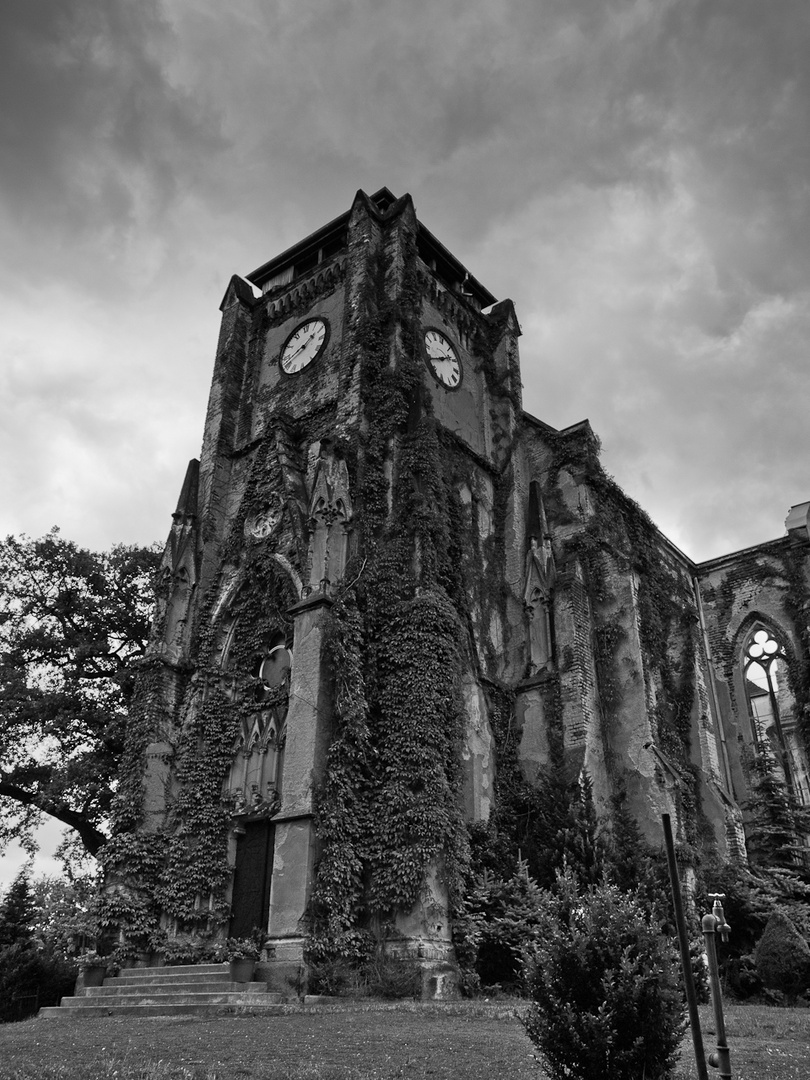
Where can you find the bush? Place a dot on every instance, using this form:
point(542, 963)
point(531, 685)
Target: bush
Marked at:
point(604, 987)
point(783, 958)
point(234, 948)
point(390, 977)
point(393, 977)
point(183, 949)
point(335, 977)
point(740, 978)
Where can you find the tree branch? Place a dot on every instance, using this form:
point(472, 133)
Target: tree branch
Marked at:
point(91, 837)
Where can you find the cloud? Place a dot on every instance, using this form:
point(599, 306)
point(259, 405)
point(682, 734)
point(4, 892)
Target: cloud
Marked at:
point(633, 174)
point(98, 143)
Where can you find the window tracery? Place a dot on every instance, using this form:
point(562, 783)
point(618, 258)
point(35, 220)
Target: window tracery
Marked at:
point(771, 706)
point(254, 783)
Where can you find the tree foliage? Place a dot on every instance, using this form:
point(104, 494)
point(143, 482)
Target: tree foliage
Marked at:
point(65, 922)
point(32, 974)
point(73, 625)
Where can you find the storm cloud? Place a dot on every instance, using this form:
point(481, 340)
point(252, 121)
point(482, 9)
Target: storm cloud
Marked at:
point(632, 174)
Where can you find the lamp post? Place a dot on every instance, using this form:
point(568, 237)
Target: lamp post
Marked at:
point(711, 925)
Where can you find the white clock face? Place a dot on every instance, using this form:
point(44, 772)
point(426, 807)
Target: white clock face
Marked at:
point(303, 346)
point(442, 359)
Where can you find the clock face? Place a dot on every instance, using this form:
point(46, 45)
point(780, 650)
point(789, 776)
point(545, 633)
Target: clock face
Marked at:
point(305, 344)
point(442, 359)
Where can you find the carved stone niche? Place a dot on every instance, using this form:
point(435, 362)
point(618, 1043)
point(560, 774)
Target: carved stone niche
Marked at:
point(330, 515)
point(540, 576)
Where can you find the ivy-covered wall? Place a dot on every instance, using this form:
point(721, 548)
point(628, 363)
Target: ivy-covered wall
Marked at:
point(629, 649)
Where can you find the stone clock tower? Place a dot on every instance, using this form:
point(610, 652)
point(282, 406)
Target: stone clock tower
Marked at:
point(390, 599)
point(351, 370)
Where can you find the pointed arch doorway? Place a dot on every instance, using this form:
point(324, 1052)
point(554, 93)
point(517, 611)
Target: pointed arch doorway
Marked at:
point(255, 784)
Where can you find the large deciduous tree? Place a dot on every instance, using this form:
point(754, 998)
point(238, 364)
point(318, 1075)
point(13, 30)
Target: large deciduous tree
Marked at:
point(73, 626)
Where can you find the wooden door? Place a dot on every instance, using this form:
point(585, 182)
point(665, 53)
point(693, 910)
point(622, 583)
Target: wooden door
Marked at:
point(250, 906)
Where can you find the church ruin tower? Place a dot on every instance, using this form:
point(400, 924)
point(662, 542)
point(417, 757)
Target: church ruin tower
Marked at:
point(388, 590)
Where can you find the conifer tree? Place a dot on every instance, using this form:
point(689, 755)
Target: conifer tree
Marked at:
point(627, 854)
point(776, 819)
point(17, 912)
point(578, 842)
point(500, 919)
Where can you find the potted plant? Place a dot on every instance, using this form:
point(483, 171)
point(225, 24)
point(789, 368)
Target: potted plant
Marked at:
point(93, 967)
point(241, 954)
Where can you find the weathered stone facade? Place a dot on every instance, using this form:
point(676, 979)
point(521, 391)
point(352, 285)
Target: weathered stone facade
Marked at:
point(316, 468)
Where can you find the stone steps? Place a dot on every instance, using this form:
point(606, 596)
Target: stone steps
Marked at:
point(188, 990)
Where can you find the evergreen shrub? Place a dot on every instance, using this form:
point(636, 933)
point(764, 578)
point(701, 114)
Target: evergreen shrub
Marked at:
point(604, 986)
point(500, 918)
point(783, 957)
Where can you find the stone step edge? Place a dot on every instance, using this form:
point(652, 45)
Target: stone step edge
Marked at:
point(73, 1003)
point(174, 969)
point(55, 1012)
point(112, 992)
point(189, 977)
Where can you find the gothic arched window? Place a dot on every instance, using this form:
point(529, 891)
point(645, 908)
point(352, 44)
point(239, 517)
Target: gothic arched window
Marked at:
point(770, 701)
point(254, 784)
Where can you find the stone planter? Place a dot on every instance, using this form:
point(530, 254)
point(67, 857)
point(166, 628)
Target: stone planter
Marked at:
point(94, 976)
point(242, 970)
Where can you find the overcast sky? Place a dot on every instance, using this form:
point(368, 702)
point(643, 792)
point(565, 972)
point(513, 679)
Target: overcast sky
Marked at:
point(634, 174)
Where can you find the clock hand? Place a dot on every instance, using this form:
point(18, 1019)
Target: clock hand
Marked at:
point(303, 346)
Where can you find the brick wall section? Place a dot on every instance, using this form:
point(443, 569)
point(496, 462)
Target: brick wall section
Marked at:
point(574, 633)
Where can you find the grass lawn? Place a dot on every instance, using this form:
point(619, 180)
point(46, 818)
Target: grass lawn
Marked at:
point(766, 1043)
point(471, 1040)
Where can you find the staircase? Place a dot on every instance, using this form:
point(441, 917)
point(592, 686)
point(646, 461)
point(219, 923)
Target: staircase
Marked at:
point(193, 990)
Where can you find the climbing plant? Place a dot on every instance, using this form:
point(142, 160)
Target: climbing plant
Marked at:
point(388, 808)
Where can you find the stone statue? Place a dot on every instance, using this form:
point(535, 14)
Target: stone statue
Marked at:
point(540, 575)
point(330, 517)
